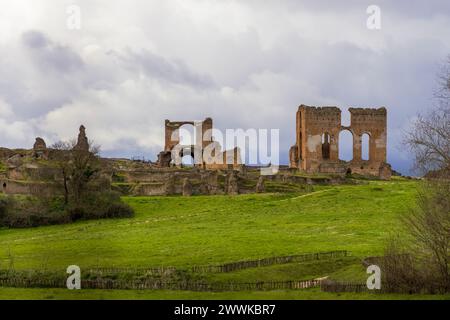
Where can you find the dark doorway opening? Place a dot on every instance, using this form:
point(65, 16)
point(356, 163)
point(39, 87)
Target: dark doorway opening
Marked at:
point(325, 146)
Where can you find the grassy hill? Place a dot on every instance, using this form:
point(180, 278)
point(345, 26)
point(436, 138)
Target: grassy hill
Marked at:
point(211, 230)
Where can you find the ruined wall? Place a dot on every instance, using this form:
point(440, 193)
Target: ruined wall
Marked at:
point(317, 141)
point(374, 123)
point(172, 136)
point(313, 125)
point(27, 188)
point(168, 181)
point(204, 140)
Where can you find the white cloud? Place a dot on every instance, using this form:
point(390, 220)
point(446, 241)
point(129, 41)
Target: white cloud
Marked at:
point(5, 110)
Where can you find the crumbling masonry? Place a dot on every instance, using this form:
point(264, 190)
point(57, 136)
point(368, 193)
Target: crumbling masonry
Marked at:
point(206, 152)
point(317, 141)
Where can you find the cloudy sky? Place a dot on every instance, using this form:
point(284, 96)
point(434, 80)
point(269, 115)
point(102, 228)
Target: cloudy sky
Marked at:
point(246, 64)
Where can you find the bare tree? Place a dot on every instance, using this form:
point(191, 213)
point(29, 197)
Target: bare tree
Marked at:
point(429, 137)
point(400, 268)
point(78, 168)
point(63, 162)
point(429, 224)
point(443, 92)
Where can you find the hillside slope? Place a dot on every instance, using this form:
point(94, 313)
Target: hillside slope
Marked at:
point(177, 231)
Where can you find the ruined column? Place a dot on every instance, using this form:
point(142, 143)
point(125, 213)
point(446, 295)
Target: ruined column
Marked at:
point(357, 143)
point(206, 125)
point(334, 146)
point(187, 188)
point(40, 148)
point(82, 142)
point(260, 186)
point(373, 150)
point(232, 184)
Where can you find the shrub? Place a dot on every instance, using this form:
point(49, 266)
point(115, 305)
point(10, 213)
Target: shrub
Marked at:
point(76, 213)
point(6, 205)
point(41, 211)
point(106, 204)
point(119, 210)
point(31, 212)
point(31, 219)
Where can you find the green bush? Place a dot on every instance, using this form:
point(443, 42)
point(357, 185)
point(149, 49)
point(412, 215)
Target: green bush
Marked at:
point(119, 210)
point(5, 207)
point(33, 212)
point(29, 212)
point(35, 219)
point(76, 213)
point(99, 205)
point(107, 204)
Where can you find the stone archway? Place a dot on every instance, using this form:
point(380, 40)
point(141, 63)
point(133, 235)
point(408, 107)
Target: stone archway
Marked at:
point(190, 156)
point(202, 139)
point(365, 146)
point(345, 145)
point(187, 134)
point(187, 156)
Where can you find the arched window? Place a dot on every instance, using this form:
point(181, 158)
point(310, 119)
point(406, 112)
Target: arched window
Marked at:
point(187, 160)
point(326, 146)
point(365, 142)
point(187, 135)
point(187, 156)
point(345, 145)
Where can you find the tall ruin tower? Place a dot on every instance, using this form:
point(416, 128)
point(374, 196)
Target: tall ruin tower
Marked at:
point(316, 149)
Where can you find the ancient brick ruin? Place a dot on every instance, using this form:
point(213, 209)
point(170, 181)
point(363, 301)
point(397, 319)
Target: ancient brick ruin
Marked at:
point(316, 149)
point(206, 152)
point(40, 149)
point(82, 141)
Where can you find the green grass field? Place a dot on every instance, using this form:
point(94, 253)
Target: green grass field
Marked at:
point(204, 230)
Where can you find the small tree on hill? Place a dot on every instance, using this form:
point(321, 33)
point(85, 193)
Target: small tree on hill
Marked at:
point(78, 168)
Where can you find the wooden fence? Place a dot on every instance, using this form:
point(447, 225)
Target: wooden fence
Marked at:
point(164, 285)
point(159, 271)
point(337, 286)
point(50, 280)
point(228, 267)
point(32, 283)
point(240, 265)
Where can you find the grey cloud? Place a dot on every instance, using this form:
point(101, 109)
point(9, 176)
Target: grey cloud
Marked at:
point(408, 9)
point(35, 39)
point(155, 66)
point(38, 74)
point(50, 55)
